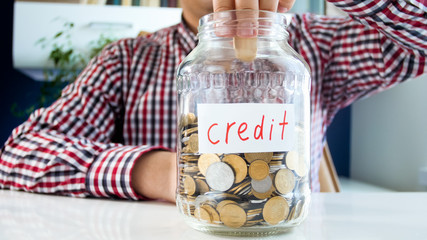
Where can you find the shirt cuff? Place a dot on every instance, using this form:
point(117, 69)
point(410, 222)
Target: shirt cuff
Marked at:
point(110, 173)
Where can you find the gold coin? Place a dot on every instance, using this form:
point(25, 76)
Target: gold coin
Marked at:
point(275, 210)
point(232, 215)
point(255, 211)
point(189, 185)
point(240, 188)
point(284, 181)
point(186, 150)
point(202, 186)
point(189, 158)
point(292, 160)
point(278, 156)
point(205, 160)
point(220, 205)
point(189, 118)
point(263, 195)
point(266, 156)
point(214, 214)
point(202, 214)
point(259, 170)
point(275, 163)
point(193, 143)
point(189, 131)
point(191, 168)
point(239, 166)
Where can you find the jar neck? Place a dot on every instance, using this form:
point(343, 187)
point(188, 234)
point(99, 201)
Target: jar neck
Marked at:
point(243, 23)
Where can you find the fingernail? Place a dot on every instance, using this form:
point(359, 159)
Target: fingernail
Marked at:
point(282, 9)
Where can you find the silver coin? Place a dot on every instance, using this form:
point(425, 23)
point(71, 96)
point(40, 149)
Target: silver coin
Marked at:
point(220, 176)
point(262, 186)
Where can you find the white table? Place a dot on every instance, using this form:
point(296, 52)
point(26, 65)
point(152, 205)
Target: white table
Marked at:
point(361, 216)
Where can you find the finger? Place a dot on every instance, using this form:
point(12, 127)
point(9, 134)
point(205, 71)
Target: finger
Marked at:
point(247, 20)
point(285, 5)
point(245, 44)
point(247, 5)
point(268, 5)
point(221, 29)
point(223, 5)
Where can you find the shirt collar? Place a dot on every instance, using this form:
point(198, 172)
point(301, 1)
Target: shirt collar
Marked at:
point(188, 39)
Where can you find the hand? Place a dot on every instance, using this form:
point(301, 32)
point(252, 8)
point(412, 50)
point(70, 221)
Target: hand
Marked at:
point(242, 29)
point(154, 175)
point(267, 5)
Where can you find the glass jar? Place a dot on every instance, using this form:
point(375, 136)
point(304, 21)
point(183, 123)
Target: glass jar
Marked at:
point(243, 127)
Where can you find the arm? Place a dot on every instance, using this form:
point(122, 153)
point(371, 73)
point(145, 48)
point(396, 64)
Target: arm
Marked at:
point(381, 44)
point(67, 148)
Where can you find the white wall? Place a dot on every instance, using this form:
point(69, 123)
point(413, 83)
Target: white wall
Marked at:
point(389, 137)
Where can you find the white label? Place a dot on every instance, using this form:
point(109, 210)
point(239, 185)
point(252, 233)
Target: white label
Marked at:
point(246, 127)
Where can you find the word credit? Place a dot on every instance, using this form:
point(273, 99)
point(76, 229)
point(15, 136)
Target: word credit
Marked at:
point(246, 127)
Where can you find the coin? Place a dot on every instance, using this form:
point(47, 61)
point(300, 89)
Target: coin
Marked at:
point(189, 131)
point(259, 170)
point(254, 213)
point(232, 215)
point(262, 186)
point(265, 195)
point(292, 160)
point(265, 156)
point(239, 166)
point(212, 212)
point(240, 188)
point(193, 143)
point(220, 205)
point(189, 185)
point(205, 160)
point(189, 158)
point(202, 186)
point(189, 118)
point(284, 181)
point(278, 156)
point(202, 214)
point(275, 210)
point(191, 168)
point(220, 176)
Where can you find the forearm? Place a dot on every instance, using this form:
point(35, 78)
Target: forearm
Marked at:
point(403, 21)
point(154, 175)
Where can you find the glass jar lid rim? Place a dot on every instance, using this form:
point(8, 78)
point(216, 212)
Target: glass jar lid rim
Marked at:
point(279, 18)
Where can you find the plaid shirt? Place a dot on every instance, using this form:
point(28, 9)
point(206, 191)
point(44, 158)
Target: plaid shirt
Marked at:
point(124, 102)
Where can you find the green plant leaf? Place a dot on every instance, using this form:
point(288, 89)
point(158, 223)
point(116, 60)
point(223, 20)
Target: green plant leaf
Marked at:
point(58, 34)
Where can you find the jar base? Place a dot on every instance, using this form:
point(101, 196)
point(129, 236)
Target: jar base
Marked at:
point(242, 231)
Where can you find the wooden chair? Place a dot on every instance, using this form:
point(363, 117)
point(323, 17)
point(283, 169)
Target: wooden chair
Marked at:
point(328, 177)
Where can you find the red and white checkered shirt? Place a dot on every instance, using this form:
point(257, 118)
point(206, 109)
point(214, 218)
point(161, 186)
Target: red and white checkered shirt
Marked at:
point(124, 102)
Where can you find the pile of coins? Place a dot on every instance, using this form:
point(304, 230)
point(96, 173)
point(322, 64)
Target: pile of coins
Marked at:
point(240, 189)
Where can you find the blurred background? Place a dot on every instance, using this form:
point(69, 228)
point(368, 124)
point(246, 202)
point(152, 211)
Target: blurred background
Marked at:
point(377, 144)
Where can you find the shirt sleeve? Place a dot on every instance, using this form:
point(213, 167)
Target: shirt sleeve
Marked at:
point(380, 44)
point(66, 148)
